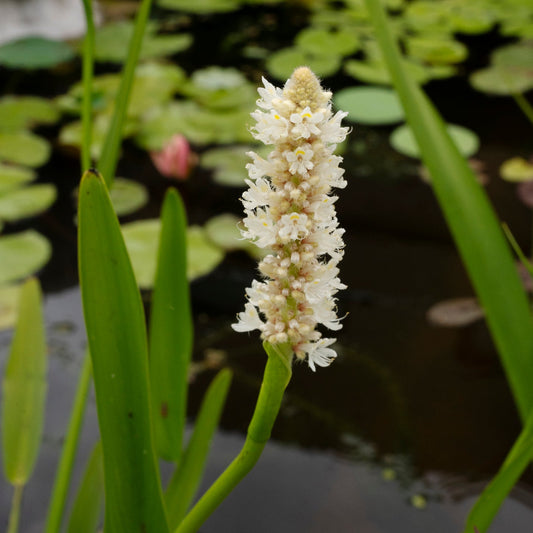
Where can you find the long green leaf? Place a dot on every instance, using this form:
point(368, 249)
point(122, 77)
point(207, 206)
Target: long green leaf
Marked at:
point(187, 477)
point(116, 332)
point(109, 157)
point(24, 388)
point(492, 497)
point(89, 501)
point(171, 333)
point(472, 222)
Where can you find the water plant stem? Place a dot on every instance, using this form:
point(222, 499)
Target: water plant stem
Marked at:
point(87, 74)
point(64, 470)
point(14, 515)
point(110, 151)
point(524, 105)
point(275, 380)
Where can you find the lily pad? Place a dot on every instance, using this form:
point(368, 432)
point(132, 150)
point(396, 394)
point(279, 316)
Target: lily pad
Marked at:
point(436, 51)
point(501, 80)
point(9, 305)
point(281, 64)
point(455, 313)
point(142, 241)
point(24, 148)
point(127, 196)
point(35, 53)
point(26, 201)
point(403, 140)
point(24, 112)
point(112, 42)
point(22, 254)
point(517, 169)
point(370, 105)
point(316, 40)
point(12, 177)
point(229, 164)
point(200, 6)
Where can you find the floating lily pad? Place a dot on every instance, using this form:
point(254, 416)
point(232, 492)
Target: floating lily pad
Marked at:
point(501, 80)
point(142, 241)
point(22, 254)
point(221, 88)
point(281, 64)
point(436, 51)
point(24, 112)
point(12, 177)
point(127, 196)
point(35, 53)
point(229, 164)
point(403, 140)
point(24, 148)
point(370, 105)
point(455, 313)
point(9, 305)
point(26, 201)
point(517, 169)
point(197, 124)
point(316, 40)
point(112, 42)
point(200, 6)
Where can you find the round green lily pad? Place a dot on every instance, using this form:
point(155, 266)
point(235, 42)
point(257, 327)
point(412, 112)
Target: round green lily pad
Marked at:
point(370, 105)
point(223, 231)
point(436, 51)
point(502, 80)
point(403, 140)
point(142, 241)
point(26, 201)
point(24, 112)
point(35, 53)
point(24, 148)
point(9, 305)
point(200, 6)
point(316, 40)
point(282, 64)
point(12, 177)
point(22, 254)
point(516, 169)
point(127, 196)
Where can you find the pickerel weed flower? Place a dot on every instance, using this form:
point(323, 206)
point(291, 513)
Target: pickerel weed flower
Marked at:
point(290, 212)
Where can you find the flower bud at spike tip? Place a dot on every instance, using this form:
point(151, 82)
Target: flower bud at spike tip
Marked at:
point(289, 210)
point(176, 159)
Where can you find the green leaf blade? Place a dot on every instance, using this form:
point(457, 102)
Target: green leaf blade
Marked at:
point(171, 331)
point(117, 340)
point(24, 388)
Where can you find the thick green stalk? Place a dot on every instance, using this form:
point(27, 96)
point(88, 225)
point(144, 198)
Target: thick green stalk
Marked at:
point(87, 75)
point(14, 515)
point(64, 470)
point(275, 380)
point(109, 157)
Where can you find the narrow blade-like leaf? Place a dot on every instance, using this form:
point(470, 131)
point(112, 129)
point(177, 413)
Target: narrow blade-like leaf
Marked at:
point(24, 388)
point(116, 332)
point(89, 501)
point(472, 222)
point(492, 497)
point(187, 477)
point(171, 333)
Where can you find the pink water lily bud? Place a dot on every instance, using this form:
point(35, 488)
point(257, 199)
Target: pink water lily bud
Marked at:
point(176, 159)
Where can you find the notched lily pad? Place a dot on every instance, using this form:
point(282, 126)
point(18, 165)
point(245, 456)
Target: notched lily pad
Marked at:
point(436, 51)
point(22, 254)
point(142, 241)
point(316, 40)
point(12, 177)
point(200, 6)
point(24, 148)
point(370, 105)
point(26, 202)
point(403, 140)
point(455, 313)
point(35, 53)
point(223, 231)
point(281, 64)
point(24, 112)
point(127, 196)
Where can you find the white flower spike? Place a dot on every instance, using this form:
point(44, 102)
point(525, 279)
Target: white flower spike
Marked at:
point(289, 210)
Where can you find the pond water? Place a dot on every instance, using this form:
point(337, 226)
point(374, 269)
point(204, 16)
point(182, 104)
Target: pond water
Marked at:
point(405, 428)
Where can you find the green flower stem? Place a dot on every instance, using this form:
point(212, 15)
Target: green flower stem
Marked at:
point(524, 106)
point(275, 380)
point(14, 515)
point(109, 157)
point(87, 74)
point(64, 471)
